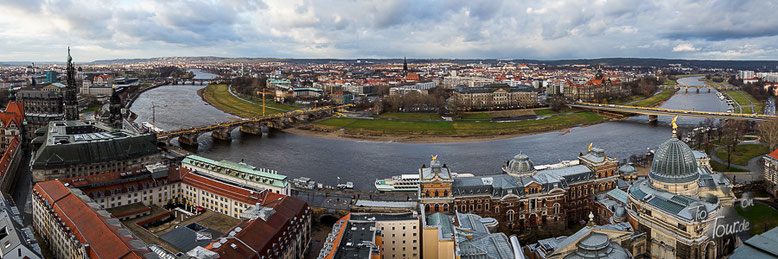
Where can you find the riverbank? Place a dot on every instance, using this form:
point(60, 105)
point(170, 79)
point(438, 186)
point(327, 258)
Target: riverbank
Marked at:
point(427, 127)
point(444, 131)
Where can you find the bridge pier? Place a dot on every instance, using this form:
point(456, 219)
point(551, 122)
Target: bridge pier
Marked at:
point(698, 90)
point(188, 139)
point(222, 133)
point(708, 89)
point(687, 90)
point(251, 128)
point(653, 119)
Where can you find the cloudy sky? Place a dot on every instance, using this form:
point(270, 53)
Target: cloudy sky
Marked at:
point(40, 30)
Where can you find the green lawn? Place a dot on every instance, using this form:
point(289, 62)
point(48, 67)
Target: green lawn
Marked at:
point(743, 153)
point(743, 98)
point(459, 128)
point(547, 112)
point(655, 99)
point(476, 116)
point(670, 82)
point(761, 217)
point(93, 108)
point(723, 168)
point(219, 97)
point(411, 116)
point(627, 99)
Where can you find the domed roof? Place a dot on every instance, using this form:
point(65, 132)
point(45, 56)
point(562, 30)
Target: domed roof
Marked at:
point(627, 169)
point(520, 164)
point(674, 162)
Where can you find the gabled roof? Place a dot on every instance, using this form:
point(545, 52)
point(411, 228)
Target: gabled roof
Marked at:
point(259, 234)
point(774, 154)
point(13, 114)
point(91, 227)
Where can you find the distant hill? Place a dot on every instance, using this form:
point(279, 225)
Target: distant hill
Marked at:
point(643, 62)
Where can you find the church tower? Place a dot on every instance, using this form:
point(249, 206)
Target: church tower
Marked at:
point(405, 67)
point(115, 109)
point(71, 103)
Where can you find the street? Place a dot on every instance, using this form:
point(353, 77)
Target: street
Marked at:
point(23, 185)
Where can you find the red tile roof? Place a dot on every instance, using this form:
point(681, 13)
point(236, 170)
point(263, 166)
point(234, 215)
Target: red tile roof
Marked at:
point(87, 225)
point(14, 112)
point(8, 155)
point(220, 188)
point(774, 154)
point(260, 235)
point(104, 183)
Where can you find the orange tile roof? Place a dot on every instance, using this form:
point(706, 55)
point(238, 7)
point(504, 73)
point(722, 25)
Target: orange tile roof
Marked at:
point(260, 235)
point(14, 112)
point(104, 183)
point(8, 155)
point(774, 154)
point(87, 225)
point(220, 188)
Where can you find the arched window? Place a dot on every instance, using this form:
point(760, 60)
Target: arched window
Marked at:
point(445, 193)
point(427, 193)
point(463, 207)
point(445, 207)
point(427, 207)
point(437, 208)
point(437, 194)
point(556, 208)
point(510, 215)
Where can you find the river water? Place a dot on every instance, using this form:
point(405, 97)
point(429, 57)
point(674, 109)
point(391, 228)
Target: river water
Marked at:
point(361, 162)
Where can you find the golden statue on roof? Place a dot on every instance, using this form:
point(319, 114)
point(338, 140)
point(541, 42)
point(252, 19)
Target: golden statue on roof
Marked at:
point(434, 157)
point(590, 147)
point(675, 126)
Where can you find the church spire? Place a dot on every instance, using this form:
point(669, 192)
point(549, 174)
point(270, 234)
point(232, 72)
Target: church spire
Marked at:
point(70, 99)
point(405, 66)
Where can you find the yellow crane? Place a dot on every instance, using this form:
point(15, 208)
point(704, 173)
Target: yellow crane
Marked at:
point(263, 100)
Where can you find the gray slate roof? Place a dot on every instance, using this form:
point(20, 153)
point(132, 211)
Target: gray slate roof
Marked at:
point(61, 148)
point(503, 184)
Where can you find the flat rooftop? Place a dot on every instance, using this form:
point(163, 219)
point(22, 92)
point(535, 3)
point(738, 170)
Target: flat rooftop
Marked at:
point(383, 216)
point(175, 236)
point(351, 245)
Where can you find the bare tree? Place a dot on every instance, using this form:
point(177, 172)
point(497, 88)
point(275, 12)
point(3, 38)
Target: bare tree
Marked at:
point(733, 132)
point(768, 131)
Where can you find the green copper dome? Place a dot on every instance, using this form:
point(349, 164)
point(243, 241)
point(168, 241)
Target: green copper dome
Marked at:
point(674, 162)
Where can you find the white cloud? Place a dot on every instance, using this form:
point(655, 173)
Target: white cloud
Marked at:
point(685, 47)
point(39, 30)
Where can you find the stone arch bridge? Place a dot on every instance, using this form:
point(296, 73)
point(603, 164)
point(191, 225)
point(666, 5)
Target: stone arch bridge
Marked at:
point(254, 126)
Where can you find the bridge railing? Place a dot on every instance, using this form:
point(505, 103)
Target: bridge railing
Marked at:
point(255, 119)
point(761, 116)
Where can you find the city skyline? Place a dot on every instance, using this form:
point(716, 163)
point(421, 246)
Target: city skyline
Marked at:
point(38, 30)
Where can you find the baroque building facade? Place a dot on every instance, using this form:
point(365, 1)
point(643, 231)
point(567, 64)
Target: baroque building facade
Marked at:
point(677, 204)
point(522, 196)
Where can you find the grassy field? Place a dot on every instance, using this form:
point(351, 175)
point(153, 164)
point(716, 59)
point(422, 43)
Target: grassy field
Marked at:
point(411, 116)
point(760, 216)
point(482, 116)
point(723, 168)
point(743, 153)
point(219, 97)
point(655, 99)
point(743, 98)
point(669, 82)
point(459, 128)
point(91, 108)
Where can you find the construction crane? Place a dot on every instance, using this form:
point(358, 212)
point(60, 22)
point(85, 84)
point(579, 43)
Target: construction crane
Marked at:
point(263, 100)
